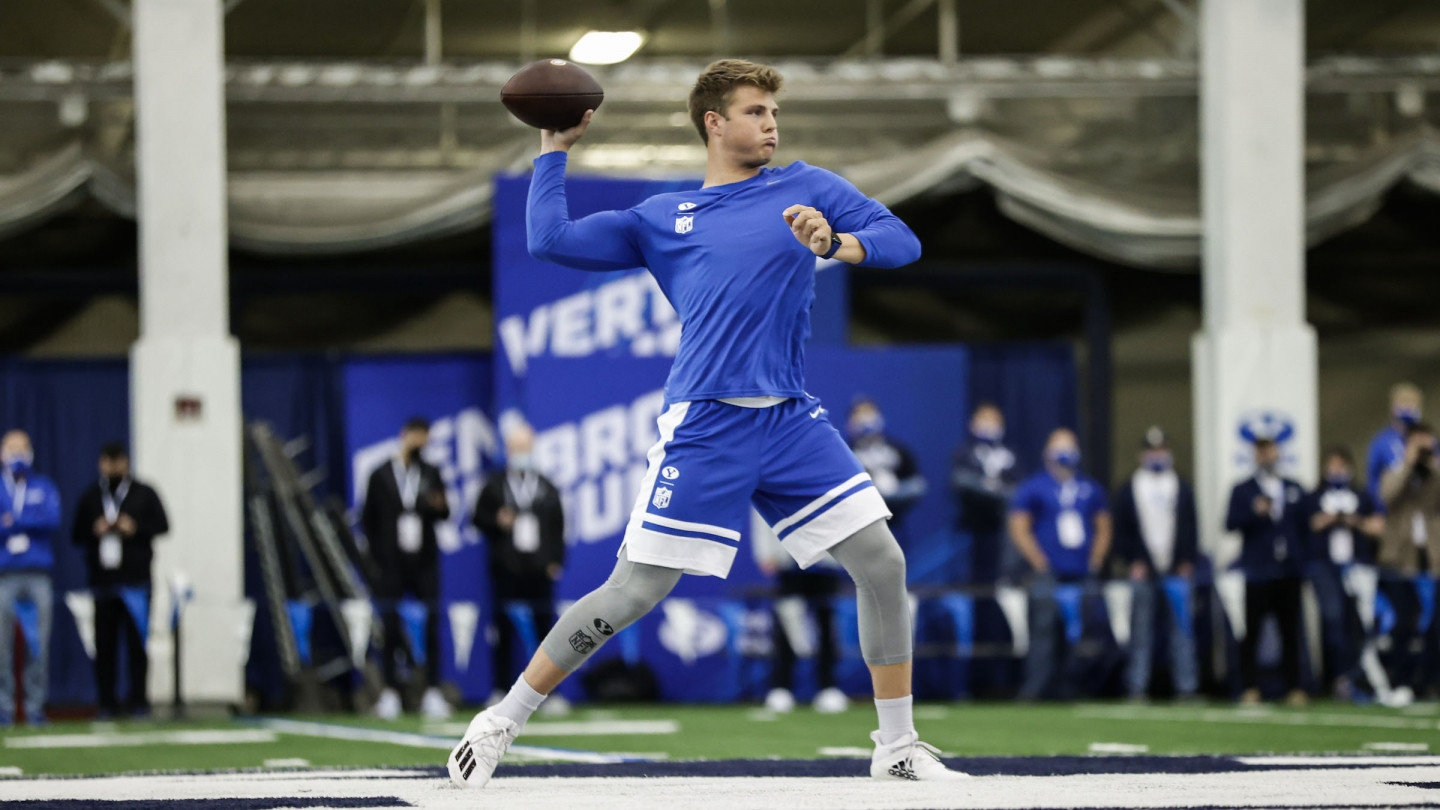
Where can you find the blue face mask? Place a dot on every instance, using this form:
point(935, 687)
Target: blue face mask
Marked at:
point(1339, 481)
point(1408, 417)
point(1159, 463)
point(862, 427)
point(1068, 458)
point(988, 434)
point(19, 463)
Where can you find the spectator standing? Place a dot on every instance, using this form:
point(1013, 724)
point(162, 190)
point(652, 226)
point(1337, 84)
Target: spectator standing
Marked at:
point(983, 478)
point(1387, 449)
point(1060, 522)
point(116, 522)
point(1345, 526)
point(29, 517)
point(404, 502)
point(890, 464)
point(799, 591)
point(520, 513)
point(1265, 509)
point(1409, 550)
point(1156, 535)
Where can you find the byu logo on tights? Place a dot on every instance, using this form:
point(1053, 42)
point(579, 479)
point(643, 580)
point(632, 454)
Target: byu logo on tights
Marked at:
point(685, 224)
point(662, 497)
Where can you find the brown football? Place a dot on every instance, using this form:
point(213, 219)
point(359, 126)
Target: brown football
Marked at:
point(551, 94)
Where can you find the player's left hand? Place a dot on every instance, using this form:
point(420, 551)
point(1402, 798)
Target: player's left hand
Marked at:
point(810, 227)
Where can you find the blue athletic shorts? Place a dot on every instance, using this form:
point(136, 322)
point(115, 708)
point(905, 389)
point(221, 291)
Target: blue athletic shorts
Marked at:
point(715, 460)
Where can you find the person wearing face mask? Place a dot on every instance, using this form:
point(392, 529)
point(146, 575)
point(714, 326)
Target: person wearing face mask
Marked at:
point(116, 522)
point(1265, 509)
point(1387, 449)
point(1060, 522)
point(983, 477)
point(1344, 526)
point(890, 464)
point(404, 502)
point(1156, 535)
point(520, 513)
point(1410, 555)
point(29, 516)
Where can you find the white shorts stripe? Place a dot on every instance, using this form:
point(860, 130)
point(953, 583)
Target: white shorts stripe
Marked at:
point(809, 543)
point(685, 525)
point(818, 503)
point(689, 554)
point(655, 458)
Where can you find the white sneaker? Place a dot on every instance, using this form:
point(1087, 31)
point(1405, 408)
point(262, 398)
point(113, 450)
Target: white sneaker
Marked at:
point(388, 706)
point(910, 760)
point(780, 701)
point(434, 705)
point(555, 705)
point(830, 701)
point(486, 740)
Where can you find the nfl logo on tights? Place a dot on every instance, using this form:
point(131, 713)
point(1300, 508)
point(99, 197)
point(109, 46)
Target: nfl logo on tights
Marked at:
point(662, 497)
point(684, 224)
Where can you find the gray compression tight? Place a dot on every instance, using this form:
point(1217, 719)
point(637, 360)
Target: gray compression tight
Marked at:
point(632, 590)
point(871, 557)
point(874, 560)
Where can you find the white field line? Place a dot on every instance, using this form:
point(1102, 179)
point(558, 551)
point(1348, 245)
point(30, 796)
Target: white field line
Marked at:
point(1252, 717)
point(287, 762)
point(1341, 761)
point(10, 770)
point(1395, 747)
point(845, 751)
point(577, 728)
point(217, 737)
point(410, 739)
point(1118, 748)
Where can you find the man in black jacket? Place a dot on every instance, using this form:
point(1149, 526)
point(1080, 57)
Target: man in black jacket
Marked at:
point(1267, 510)
point(116, 521)
point(1157, 537)
point(404, 501)
point(983, 476)
point(520, 514)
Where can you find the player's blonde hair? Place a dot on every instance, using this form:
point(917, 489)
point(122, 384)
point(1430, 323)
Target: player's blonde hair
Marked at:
point(715, 88)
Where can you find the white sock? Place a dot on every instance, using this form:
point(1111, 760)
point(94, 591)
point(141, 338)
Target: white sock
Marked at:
point(519, 703)
point(896, 718)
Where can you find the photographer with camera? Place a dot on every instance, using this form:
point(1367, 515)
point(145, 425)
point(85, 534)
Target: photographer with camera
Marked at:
point(1410, 548)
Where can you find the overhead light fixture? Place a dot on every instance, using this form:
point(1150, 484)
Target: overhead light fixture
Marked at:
point(606, 47)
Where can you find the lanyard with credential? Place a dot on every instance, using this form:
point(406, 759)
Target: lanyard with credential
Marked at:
point(525, 491)
point(16, 489)
point(111, 503)
point(408, 480)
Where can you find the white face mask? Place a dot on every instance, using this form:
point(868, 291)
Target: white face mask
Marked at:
point(521, 461)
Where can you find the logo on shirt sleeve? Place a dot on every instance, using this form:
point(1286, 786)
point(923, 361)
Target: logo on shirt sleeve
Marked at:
point(687, 206)
point(685, 224)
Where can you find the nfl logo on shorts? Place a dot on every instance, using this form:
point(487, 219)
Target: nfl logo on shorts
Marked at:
point(662, 497)
point(684, 224)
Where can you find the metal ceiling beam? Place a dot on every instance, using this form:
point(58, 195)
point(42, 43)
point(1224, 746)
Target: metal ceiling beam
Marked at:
point(878, 28)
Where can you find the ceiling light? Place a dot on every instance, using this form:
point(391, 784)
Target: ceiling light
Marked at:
point(606, 47)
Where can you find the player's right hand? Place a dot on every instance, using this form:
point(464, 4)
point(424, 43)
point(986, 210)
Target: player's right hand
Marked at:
point(561, 140)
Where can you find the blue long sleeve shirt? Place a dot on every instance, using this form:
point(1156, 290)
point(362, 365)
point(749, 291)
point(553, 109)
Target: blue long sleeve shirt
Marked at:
point(724, 256)
point(34, 510)
point(1387, 449)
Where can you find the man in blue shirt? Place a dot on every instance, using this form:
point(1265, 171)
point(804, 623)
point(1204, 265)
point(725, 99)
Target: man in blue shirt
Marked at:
point(1060, 522)
point(1266, 510)
point(1387, 448)
point(29, 516)
point(1344, 524)
point(736, 258)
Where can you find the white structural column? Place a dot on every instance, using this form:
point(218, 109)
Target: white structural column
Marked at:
point(1255, 362)
point(185, 369)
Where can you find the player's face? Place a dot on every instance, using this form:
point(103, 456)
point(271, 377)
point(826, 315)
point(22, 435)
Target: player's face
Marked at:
point(750, 132)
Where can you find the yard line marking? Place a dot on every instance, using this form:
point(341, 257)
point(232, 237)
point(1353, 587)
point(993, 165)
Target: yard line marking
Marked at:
point(120, 740)
point(10, 770)
point(844, 751)
point(287, 762)
point(1340, 760)
point(1118, 748)
point(577, 728)
point(1395, 746)
point(931, 712)
point(1261, 717)
point(333, 731)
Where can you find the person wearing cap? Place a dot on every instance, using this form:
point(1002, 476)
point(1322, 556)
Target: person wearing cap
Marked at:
point(890, 464)
point(1387, 448)
point(1344, 524)
point(29, 517)
point(404, 503)
point(1157, 536)
point(1060, 522)
point(1266, 510)
point(983, 477)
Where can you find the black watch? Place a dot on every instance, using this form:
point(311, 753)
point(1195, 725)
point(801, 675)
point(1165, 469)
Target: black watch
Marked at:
point(835, 244)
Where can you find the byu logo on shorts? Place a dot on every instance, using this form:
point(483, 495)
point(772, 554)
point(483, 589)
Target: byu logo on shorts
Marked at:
point(662, 497)
point(670, 473)
point(685, 224)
